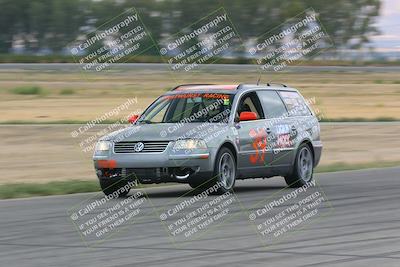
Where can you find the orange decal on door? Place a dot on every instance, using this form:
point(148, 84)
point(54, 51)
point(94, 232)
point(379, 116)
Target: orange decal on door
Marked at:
point(259, 145)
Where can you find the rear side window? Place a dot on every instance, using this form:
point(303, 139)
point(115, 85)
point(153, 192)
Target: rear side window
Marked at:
point(295, 104)
point(272, 104)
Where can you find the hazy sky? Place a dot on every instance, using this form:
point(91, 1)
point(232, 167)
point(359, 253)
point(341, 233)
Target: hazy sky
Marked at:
point(389, 26)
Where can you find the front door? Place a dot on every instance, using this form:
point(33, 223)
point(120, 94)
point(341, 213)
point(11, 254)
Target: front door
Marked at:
point(254, 153)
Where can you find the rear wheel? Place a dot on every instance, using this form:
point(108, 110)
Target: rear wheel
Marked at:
point(111, 187)
point(303, 167)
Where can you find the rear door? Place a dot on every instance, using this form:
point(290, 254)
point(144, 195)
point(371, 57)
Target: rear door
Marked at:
point(279, 127)
point(300, 120)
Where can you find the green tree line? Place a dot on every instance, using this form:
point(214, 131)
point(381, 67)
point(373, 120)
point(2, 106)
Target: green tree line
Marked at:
point(53, 24)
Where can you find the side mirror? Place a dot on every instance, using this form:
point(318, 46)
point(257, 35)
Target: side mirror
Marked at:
point(133, 118)
point(247, 116)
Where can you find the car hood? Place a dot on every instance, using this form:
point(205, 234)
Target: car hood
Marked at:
point(164, 132)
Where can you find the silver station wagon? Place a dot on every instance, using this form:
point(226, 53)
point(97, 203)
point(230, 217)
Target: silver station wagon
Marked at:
point(204, 134)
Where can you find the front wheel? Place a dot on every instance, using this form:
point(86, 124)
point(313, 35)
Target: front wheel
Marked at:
point(225, 170)
point(119, 188)
point(303, 168)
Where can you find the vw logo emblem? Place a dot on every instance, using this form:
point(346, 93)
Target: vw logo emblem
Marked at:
point(139, 147)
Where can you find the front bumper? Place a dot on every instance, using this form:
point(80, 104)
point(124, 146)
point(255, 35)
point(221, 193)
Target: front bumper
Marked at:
point(156, 160)
point(154, 167)
point(317, 145)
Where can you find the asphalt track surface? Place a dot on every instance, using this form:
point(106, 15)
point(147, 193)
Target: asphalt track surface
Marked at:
point(359, 227)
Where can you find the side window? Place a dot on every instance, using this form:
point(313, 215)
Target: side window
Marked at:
point(295, 103)
point(272, 104)
point(250, 102)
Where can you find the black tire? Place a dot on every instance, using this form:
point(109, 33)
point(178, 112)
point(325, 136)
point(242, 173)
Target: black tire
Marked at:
point(196, 184)
point(110, 187)
point(223, 169)
point(303, 168)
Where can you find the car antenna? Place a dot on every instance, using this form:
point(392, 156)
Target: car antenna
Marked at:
point(259, 78)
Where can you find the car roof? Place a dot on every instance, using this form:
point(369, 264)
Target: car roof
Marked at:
point(206, 87)
point(227, 88)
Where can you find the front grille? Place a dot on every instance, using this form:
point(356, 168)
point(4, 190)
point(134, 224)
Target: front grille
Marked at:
point(149, 147)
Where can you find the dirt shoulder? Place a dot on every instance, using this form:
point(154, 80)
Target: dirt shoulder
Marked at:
point(51, 96)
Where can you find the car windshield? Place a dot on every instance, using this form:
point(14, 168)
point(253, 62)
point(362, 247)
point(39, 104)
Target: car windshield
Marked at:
point(189, 107)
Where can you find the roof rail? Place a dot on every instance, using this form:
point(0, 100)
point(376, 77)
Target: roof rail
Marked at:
point(191, 84)
point(269, 84)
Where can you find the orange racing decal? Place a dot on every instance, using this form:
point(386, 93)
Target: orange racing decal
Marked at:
point(259, 145)
point(194, 95)
point(215, 96)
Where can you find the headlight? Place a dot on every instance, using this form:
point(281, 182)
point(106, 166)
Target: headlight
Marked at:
point(190, 144)
point(103, 146)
